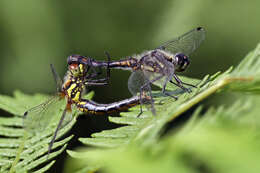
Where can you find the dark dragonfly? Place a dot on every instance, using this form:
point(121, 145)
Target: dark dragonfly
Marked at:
point(155, 66)
point(69, 93)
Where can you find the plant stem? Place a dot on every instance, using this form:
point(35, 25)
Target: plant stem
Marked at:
point(19, 151)
point(220, 84)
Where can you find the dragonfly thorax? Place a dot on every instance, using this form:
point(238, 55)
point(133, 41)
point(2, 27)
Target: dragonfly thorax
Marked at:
point(73, 86)
point(156, 60)
point(180, 61)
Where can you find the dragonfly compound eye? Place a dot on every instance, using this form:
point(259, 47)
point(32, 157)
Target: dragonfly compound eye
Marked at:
point(181, 61)
point(76, 59)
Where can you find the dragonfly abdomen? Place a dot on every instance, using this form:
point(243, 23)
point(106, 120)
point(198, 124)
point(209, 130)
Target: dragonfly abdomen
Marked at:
point(91, 107)
point(125, 64)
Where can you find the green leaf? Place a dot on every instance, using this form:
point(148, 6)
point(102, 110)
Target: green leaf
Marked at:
point(248, 70)
point(21, 151)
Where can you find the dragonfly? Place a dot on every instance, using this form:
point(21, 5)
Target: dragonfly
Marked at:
point(69, 93)
point(156, 66)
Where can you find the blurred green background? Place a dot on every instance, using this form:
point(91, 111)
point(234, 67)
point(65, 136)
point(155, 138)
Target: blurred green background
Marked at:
point(36, 33)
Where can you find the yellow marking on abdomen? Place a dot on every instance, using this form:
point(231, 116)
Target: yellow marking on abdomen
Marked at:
point(82, 103)
point(77, 97)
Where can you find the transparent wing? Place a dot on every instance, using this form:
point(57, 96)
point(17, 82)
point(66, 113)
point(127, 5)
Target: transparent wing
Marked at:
point(187, 43)
point(58, 80)
point(156, 78)
point(136, 81)
point(39, 117)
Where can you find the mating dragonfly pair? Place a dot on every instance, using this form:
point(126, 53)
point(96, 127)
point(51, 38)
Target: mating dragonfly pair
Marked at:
point(154, 66)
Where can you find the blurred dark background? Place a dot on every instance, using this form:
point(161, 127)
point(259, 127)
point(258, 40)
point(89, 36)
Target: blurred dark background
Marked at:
point(36, 33)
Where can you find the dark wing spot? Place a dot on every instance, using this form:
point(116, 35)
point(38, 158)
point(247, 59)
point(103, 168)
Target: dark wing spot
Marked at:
point(25, 113)
point(199, 28)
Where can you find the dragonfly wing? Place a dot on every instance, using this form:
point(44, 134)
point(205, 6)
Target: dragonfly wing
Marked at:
point(39, 117)
point(57, 78)
point(156, 78)
point(136, 81)
point(186, 43)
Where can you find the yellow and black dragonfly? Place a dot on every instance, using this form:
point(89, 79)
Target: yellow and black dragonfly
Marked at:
point(69, 93)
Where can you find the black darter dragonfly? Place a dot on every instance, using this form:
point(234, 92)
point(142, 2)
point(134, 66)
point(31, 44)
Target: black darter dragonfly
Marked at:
point(70, 90)
point(155, 66)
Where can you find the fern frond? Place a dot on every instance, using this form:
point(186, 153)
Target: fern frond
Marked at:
point(220, 141)
point(21, 151)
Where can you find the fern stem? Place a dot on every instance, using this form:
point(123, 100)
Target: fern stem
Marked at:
point(221, 83)
point(19, 151)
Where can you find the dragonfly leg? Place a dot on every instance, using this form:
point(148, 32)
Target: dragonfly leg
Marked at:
point(189, 85)
point(141, 110)
point(94, 73)
point(164, 91)
point(152, 101)
point(103, 81)
point(180, 83)
point(57, 128)
point(141, 104)
point(167, 94)
point(148, 84)
point(108, 65)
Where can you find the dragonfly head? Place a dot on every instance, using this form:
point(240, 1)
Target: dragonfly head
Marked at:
point(77, 59)
point(181, 62)
point(77, 70)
